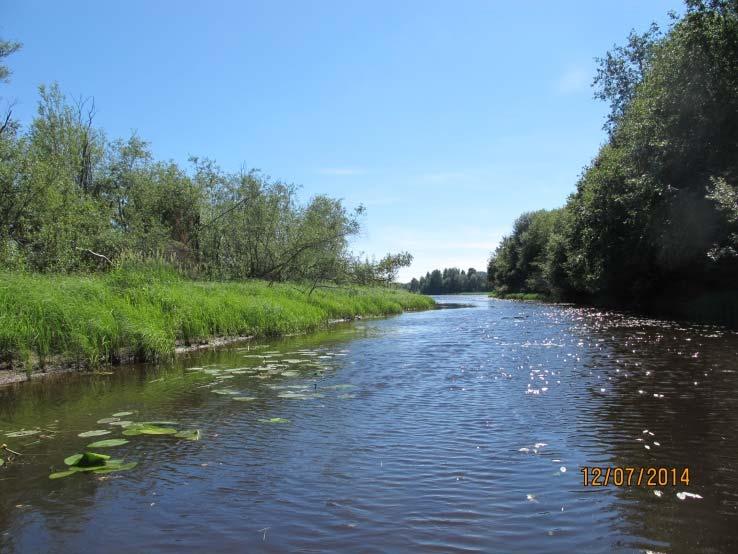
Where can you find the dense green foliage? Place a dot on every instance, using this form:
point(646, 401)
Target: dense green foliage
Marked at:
point(449, 281)
point(72, 200)
point(144, 311)
point(656, 212)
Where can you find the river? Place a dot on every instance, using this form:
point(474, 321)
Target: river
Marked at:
point(452, 430)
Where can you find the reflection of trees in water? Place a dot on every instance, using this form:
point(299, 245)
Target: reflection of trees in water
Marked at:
point(696, 426)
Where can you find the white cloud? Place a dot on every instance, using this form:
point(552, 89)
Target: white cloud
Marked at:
point(463, 246)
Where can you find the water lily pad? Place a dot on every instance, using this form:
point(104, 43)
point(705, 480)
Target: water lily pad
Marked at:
point(60, 474)
point(190, 435)
point(108, 420)
point(244, 398)
point(147, 429)
point(95, 433)
point(73, 459)
point(123, 414)
point(122, 423)
point(108, 443)
point(110, 468)
point(275, 420)
point(93, 463)
point(23, 433)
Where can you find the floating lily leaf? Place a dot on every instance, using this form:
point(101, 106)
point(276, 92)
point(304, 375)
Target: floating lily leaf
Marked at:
point(91, 459)
point(91, 462)
point(123, 414)
point(60, 474)
point(158, 423)
point(275, 420)
point(73, 459)
point(108, 443)
point(190, 435)
point(23, 433)
point(95, 433)
point(110, 468)
point(244, 398)
point(122, 423)
point(147, 429)
point(108, 420)
point(289, 374)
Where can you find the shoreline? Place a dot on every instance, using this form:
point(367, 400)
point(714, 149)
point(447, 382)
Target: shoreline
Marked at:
point(9, 377)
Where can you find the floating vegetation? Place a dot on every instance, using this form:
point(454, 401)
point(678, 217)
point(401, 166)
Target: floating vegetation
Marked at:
point(147, 429)
point(123, 414)
point(91, 462)
point(122, 423)
point(244, 398)
point(275, 420)
point(108, 420)
point(2, 462)
point(23, 433)
point(190, 435)
point(95, 433)
point(107, 443)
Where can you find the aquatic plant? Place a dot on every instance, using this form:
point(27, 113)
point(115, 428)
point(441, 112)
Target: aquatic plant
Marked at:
point(91, 462)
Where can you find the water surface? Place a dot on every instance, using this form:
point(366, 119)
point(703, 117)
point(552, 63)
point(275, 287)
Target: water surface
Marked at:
point(444, 431)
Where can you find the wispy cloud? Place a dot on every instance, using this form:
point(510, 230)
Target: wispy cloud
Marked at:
point(573, 80)
point(338, 171)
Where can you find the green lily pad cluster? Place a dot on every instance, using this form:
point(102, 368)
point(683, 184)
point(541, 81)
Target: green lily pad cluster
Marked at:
point(93, 463)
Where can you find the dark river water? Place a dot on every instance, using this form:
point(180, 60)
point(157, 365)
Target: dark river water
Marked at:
point(453, 430)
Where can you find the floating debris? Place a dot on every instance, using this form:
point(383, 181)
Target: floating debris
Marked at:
point(684, 495)
point(275, 420)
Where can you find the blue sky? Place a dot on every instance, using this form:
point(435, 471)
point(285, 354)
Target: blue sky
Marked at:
point(445, 119)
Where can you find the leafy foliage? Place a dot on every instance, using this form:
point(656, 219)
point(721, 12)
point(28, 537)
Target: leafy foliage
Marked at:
point(450, 280)
point(657, 206)
point(71, 200)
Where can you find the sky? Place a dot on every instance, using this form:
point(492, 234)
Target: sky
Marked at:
point(446, 120)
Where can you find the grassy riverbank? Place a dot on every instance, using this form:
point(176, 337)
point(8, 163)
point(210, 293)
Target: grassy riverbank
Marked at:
point(144, 314)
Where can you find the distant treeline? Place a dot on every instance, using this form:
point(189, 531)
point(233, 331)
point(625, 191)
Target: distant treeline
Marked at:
point(656, 212)
point(451, 280)
point(73, 200)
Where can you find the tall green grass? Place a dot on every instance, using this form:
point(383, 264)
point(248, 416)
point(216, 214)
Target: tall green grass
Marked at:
point(144, 313)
